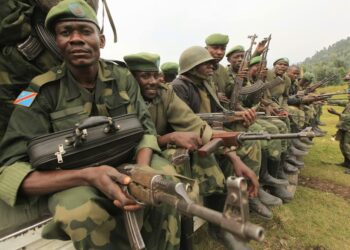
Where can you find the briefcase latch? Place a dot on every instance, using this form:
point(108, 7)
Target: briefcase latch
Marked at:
point(59, 153)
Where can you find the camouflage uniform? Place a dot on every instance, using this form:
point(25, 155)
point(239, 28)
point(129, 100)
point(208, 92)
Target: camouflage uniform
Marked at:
point(202, 98)
point(17, 65)
point(295, 107)
point(279, 96)
point(169, 113)
point(343, 133)
point(220, 78)
point(61, 102)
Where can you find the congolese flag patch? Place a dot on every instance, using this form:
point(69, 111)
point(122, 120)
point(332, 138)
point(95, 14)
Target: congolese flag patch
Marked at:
point(25, 98)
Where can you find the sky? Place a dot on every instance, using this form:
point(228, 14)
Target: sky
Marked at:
point(299, 28)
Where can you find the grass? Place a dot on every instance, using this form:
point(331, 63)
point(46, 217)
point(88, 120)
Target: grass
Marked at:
point(314, 220)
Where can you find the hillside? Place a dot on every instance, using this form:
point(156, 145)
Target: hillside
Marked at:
point(332, 60)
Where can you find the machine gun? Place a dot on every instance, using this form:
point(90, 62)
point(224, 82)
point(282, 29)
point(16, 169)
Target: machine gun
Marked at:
point(229, 139)
point(234, 100)
point(315, 86)
point(150, 188)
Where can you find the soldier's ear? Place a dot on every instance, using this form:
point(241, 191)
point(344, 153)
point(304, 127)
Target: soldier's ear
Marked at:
point(102, 41)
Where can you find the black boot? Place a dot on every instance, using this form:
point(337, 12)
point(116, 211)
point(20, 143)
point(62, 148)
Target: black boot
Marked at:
point(281, 191)
point(265, 177)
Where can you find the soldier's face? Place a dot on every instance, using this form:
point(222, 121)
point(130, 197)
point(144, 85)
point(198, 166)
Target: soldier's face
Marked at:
point(79, 42)
point(281, 68)
point(148, 82)
point(293, 73)
point(205, 69)
point(253, 70)
point(217, 51)
point(235, 59)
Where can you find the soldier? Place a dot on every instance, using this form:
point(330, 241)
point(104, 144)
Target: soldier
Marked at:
point(177, 126)
point(194, 87)
point(86, 203)
point(297, 115)
point(169, 71)
point(275, 101)
point(343, 133)
point(309, 108)
point(216, 45)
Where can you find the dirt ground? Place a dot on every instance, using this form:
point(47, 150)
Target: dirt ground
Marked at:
point(325, 186)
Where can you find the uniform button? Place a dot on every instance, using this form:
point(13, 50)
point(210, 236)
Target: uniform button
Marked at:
point(59, 71)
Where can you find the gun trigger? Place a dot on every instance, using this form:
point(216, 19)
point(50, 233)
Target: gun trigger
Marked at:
point(126, 191)
point(180, 189)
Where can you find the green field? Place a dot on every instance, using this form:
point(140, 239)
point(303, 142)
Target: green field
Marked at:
point(319, 217)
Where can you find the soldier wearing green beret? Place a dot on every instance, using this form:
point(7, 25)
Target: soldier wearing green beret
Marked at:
point(177, 125)
point(216, 45)
point(83, 86)
point(169, 71)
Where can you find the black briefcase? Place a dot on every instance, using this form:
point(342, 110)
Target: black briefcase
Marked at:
point(95, 141)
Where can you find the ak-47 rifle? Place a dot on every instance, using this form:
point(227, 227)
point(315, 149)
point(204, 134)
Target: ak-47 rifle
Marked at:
point(229, 139)
point(217, 120)
point(321, 97)
point(234, 100)
point(150, 188)
point(260, 84)
point(263, 63)
point(315, 86)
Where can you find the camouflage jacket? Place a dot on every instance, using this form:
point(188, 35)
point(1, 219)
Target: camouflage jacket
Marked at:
point(60, 103)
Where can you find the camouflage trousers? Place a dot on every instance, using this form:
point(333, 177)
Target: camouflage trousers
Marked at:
point(318, 112)
point(283, 127)
point(27, 211)
point(344, 143)
point(250, 151)
point(206, 172)
point(297, 117)
point(310, 114)
point(273, 147)
point(84, 215)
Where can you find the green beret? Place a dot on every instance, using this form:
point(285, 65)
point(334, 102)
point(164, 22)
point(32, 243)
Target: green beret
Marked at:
point(308, 76)
point(255, 60)
point(170, 68)
point(142, 61)
point(237, 48)
point(282, 59)
point(69, 10)
point(217, 39)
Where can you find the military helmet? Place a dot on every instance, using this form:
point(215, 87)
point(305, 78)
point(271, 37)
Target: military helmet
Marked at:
point(192, 57)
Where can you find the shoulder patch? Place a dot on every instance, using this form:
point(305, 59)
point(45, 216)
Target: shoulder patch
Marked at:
point(25, 98)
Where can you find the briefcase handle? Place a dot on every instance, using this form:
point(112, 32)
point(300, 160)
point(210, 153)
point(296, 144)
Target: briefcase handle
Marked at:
point(80, 132)
point(94, 121)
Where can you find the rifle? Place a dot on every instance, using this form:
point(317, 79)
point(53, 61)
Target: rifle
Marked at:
point(229, 139)
point(234, 102)
point(313, 87)
point(150, 188)
point(263, 63)
point(325, 96)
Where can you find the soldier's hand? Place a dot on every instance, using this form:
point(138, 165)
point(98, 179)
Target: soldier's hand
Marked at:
point(223, 98)
point(243, 73)
point(109, 181)
point(260, 47)
point(187, 140)
point(241, 169)
point(248, 116)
